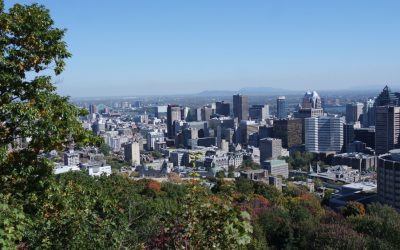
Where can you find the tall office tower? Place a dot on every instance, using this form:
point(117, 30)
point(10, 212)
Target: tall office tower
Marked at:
point(311, 100)
point(259, 112)
point(353, 112)
point(223, 108)
point(387, 128)
point(241, 107)
point(132, 153)
point(198, 114)
point(281, 111)
point(246, 128)
point(173, 114)
point(206, 113)
point(387, 177)
point(270, 149)
point(324, 134)
point(92, 109)
point(387, 97)
point(189, 134)
point(289, 131)
point(185, 113)
point(369, 114)
point(348, 135)
point(310, 106)
point(265, 131)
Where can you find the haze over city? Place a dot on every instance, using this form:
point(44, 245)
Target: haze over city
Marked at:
point(183, 47)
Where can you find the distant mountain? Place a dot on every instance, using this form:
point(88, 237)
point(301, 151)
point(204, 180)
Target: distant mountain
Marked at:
point(248, 91)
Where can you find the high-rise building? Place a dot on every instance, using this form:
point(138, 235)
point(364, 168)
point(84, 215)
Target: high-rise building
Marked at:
point(245, 129)
point(223, 108)
point(132, 153)
point(259, 112)
point(241, 107)
point(92, 109)
point(289, 131)
point(185, 113)
point(270, 149)
point(388, 180)
point(353, 112)
point(311, 100)
point(368, 114)
point(153, 137)
point(281, 111)
point(324, 134)
point(173, 114)
point(265, 131)
point(206, 113)
point(387, 97)
point(387, 128)
point(366, 135)
point(348, 135)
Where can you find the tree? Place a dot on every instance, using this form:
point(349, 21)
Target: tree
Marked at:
point(105, 149)
point(220, 174)
point(353, 208)
point(30, 46)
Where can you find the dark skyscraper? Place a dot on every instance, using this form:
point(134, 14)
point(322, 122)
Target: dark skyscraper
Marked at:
point(173, 114)
point(353, 112)
point(241, 107)
point(223, 108)
point(289, 131)
point(281, 112)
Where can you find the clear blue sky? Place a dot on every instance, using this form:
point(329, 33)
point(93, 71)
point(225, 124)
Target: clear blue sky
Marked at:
point(129, 47)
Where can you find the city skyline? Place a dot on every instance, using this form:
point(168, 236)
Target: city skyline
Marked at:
point(178, 47)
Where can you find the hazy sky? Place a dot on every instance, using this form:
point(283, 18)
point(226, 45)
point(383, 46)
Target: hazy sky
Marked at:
point(128, 47)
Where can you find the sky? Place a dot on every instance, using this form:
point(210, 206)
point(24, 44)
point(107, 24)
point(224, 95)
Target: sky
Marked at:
point(166, 47)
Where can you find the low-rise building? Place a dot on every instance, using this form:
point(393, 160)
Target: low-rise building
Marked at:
point(276, 167)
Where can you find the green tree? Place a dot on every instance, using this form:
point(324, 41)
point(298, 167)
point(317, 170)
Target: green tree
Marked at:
point(105, 149)
point(220, 174)
point(29, 106)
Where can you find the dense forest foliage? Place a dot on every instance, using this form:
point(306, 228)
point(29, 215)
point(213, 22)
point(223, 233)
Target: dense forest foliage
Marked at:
point(75, 211)
point(79, 211)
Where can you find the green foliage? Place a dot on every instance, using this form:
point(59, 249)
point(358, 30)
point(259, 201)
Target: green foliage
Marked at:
point(248, 164)
point(204, 223)
point(300, 160)
point(13, 223)
point(382, 224)
point(30, 106)
point(220, 174)
point(105, 149)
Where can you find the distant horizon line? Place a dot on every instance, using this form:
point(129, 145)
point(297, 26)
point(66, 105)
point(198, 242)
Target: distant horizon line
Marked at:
point(218, 93)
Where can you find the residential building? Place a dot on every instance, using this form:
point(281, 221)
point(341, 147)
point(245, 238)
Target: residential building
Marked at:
point(71, 158)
